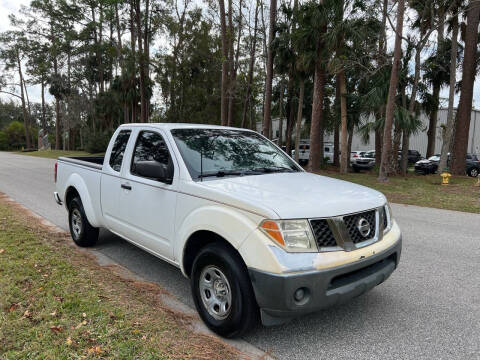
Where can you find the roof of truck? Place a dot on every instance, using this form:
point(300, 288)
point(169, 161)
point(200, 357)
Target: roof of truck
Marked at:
point(170, 126)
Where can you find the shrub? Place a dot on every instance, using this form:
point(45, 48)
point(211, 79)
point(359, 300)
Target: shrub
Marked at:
point(15, 135)
point(3, 141)
point(97, 143)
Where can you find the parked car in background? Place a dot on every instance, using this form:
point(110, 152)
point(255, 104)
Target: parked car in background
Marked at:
point(304, 152)
point(430, 165)
point(222, 204)
point(413, 156)
point(366, 161)
point(355, 154)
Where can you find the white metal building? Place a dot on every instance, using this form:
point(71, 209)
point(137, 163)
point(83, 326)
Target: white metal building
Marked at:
point(418, 141)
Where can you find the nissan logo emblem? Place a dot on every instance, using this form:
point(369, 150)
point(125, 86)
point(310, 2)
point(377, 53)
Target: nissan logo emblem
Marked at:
point(364, 227)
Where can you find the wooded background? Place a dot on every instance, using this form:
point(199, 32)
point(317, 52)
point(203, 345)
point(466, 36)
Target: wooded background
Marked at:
point(338, 64)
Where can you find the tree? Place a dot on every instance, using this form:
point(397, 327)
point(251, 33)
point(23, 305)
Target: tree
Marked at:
point(224, 98)
point(12, 54)
point(448, 133)
point(468, 78)
point(267, 116)
point(387, 133)
point(319, 27)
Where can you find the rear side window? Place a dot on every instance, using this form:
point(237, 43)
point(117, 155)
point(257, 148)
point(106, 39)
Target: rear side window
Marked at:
point(118, 150)
point(150, 146)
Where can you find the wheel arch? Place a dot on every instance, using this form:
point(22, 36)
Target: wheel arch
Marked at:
point(76, 187)
point(197, 241)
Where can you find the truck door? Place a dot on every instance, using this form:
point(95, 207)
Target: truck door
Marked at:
point(111, 181)
point(148, 205)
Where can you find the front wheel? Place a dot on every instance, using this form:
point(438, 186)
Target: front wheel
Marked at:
point(222, 291)
point(83, 234)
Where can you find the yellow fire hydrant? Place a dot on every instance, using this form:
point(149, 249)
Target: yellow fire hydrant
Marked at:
point(445, 177)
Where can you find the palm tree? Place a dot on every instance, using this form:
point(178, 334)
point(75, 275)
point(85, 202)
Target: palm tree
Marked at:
point(448, 133)
point(468, 78)
point(387, 133)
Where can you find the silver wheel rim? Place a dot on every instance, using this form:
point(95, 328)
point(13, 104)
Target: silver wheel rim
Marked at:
point(215, 292)
point(474, 172)
point(76, 223)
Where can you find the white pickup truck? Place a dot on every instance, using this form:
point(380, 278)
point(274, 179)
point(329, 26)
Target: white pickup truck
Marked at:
point(257, 235)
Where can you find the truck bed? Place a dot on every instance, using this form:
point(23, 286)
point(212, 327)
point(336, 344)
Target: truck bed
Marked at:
point(95, 162)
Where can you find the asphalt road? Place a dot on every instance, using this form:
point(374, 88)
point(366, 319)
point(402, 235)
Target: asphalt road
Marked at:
point(428, 309)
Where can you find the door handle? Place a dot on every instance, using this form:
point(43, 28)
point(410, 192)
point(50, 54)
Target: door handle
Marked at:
point(126, 187)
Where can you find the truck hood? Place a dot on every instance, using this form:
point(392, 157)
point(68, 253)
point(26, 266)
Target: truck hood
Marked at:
point(296, 195)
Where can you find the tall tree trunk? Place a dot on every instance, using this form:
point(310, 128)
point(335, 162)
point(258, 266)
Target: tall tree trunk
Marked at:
point(298, 128)
point(316, 127)
point(411, 111)
point(143, 100)
point(100, 64)
point(349, 144)
point(44, 118)
point(343, 115)
point(387, 133)
point(250, 67)
point(133, 50)
point(405, 145)
point(233, 64)
point(119, 38)
point(336, 128)
point(224, 86)
point(280, 124)
point(291, 115)
point(146, 53)
point(267, 108)
point(448, 134)
point(432, 126)
point(24, 107)
point(468, 79)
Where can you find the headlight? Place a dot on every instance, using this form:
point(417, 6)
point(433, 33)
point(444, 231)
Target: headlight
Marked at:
point(292, 235)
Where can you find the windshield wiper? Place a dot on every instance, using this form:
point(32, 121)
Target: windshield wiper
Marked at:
point(273, 169)
point(220, 173)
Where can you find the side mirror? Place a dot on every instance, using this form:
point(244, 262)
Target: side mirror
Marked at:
point(154, 170)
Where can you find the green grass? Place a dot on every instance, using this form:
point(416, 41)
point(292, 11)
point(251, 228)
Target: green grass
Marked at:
point(57, 303)
point(421, 190)
point(53, 154)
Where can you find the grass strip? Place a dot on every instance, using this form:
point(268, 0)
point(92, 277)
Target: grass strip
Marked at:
point(56, 302)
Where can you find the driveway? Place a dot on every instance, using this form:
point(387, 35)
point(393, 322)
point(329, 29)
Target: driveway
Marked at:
point(428, 309)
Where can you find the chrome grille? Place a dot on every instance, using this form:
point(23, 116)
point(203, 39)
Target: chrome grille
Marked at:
point(323, 234)
point(351, 222)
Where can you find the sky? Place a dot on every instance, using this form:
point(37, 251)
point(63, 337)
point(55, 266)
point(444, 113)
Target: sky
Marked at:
point(12, 6)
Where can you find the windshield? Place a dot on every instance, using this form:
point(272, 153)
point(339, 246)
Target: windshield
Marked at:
point(221, 152)
point(434, 158)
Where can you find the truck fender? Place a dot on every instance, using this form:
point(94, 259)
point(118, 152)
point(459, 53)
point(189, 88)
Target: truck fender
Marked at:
point(78, 184)
point(230, 224)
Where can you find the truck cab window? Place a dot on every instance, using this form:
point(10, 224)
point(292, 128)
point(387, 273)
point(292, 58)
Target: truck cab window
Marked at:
point(150, 146)
point(118, 149)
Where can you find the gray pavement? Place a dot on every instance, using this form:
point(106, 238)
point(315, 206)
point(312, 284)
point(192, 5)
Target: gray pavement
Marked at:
point(428, 309)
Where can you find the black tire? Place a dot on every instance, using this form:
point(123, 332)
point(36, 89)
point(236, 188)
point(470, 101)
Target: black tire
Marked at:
point(83, 234)
point(355, 169)
point(243, 311)
point(473, 172)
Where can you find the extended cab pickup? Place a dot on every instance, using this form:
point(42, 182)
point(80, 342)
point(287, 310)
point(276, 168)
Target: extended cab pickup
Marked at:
point(256, 234)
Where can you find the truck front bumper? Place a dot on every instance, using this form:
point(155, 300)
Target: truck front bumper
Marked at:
point(284, 296)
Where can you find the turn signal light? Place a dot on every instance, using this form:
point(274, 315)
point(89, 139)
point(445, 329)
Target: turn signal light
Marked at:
point(271, 228)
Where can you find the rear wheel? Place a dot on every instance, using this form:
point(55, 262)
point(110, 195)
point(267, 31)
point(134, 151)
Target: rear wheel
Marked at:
point(473, 172)
point(222, 291)
point(83, 234)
